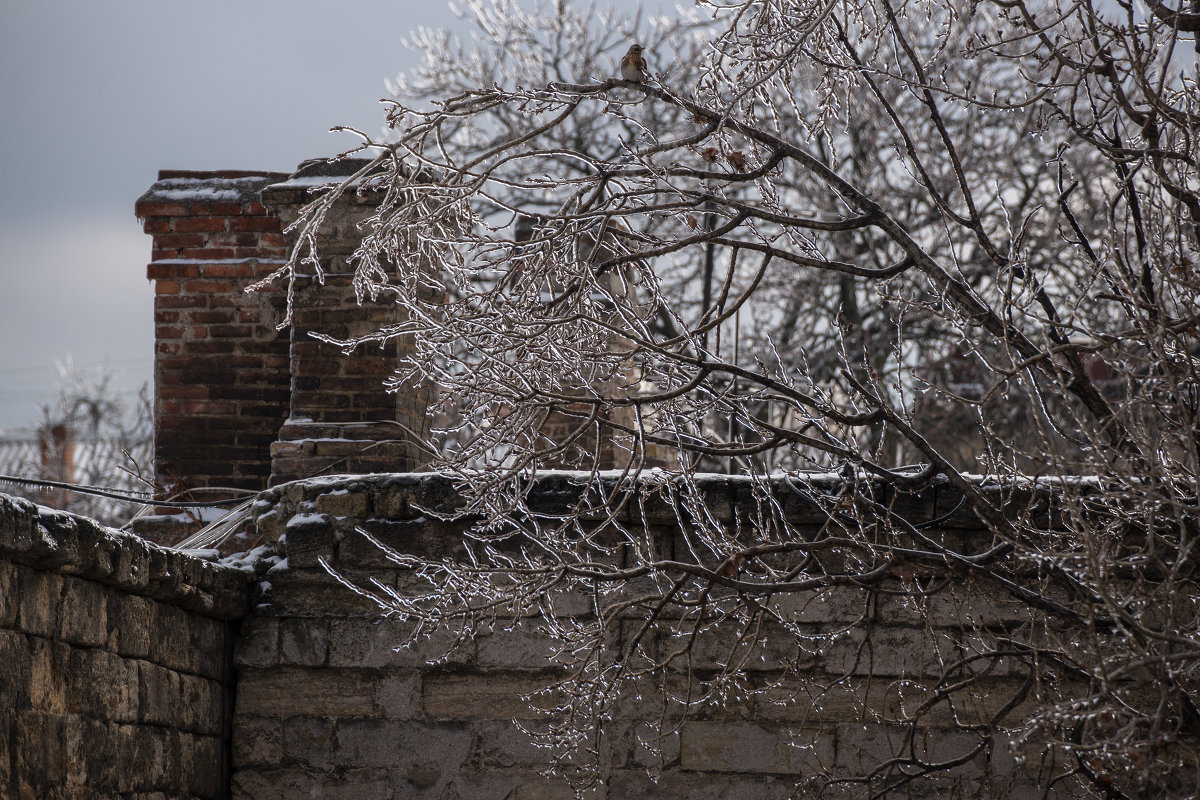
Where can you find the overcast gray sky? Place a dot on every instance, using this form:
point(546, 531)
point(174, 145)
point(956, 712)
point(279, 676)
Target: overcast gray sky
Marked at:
point(97, 97)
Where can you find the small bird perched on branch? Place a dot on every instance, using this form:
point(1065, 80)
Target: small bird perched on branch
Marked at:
point(633, 66)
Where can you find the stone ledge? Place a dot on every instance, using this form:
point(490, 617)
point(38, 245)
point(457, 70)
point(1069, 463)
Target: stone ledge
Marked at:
point(69, 544)
point(803, 500)
point(314, 177)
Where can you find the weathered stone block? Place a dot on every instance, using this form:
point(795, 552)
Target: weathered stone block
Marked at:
point(839, 605)
point(15, 666)
point(423, 537)
point(646, 745)
point(8, 721)
point(201, 708)
point(211, 640)
point(820, 700)
point(381, 743)
point(17, 527)
point(75, 733)
point(171, 639)
point(197, 756)
point(291, 691)
point(257, 742)
point(164, 581)
point(314, 593)
point(309, 741)
point(129, 620)
point(131, 567)
point(637, 785)
point(102, 685)
point(187, 642)
point(979, 646)
point(146, 747)
point(39, 594)
point(397, 501)
point(396, 696)
point(344, 503)
point(804, 502)
point(537, 787)
point(203, 776)
point(888, 651)
point(967, 606)
point(303, 642)
point(125, 758)
point(734, 646)
point(271, 524)
point(724, 747)
point(83, 613)
point(158, 695)
point(172, 758)
point(284, 784)
point(489, 696)
point(383, 643)
point(8, 594)
point(499, 745)
point(257, 644)
point(950, 506)
point(41, 760)
point(522, 647)
point(811, 700)
point(55, 540)
point(98, 558)
point(278, 784)
point(310, 538)
point(49, 671)
point(91, 753)
point(862, 747)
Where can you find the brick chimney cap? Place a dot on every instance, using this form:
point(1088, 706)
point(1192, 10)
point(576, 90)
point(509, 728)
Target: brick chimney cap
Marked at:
point(183, 187)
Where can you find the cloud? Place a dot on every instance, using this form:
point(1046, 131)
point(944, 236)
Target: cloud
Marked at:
point(74, 287)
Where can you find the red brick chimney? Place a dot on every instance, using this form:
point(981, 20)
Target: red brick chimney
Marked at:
point(237, 402)
point(220, 369)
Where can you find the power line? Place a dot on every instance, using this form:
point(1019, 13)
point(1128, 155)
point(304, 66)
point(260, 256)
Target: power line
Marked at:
point(113, 494)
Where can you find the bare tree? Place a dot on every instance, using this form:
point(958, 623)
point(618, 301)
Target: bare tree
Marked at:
point(890, 241)
point(91, 436)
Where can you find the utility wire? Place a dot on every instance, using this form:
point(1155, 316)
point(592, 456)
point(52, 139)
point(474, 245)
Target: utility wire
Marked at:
point(112, 494)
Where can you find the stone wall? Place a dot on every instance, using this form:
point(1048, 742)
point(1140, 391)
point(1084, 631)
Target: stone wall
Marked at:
point(327, 704)
point(131, 671)
point(115, 668)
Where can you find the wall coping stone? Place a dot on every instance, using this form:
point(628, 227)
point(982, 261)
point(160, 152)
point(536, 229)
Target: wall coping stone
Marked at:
point(802, 497)
point(316, 176)
point(70, 544)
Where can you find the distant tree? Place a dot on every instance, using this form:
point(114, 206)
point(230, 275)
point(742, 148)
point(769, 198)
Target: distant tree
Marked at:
point(897, 241)
point(92, 436)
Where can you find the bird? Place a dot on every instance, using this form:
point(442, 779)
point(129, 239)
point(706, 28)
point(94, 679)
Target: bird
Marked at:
point(633, 66)
point(523, 227)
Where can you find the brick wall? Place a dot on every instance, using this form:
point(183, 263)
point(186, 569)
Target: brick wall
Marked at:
point(114, 662)
point(221, 367)
point(343, 418)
